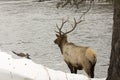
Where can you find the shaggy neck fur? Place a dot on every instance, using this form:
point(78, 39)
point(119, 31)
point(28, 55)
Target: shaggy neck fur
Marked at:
point(61, 44)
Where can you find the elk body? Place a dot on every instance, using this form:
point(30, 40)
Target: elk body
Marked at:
point(76, 57)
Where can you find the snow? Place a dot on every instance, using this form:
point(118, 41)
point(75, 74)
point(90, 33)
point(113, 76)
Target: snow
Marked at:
point(25, 69)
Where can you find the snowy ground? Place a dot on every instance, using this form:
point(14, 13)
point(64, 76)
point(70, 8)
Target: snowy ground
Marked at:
point(25, 69)
point(29, 27)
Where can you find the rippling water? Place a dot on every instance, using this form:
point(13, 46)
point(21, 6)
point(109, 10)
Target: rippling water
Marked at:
point(30, 27)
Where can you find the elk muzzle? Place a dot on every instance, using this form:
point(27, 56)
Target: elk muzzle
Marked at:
point(55, 41)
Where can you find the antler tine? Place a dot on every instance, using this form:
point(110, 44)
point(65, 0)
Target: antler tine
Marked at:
point(63, 22)
point(57, 26)
point(60, 29)
point(73, 26)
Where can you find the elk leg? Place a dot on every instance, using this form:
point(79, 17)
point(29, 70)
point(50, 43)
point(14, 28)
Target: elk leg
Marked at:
point(92, 71)
point(88, 71)
point(71, 68)
point(75, 70)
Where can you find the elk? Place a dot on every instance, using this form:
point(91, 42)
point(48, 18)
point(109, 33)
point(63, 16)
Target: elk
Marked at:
point(76, 57)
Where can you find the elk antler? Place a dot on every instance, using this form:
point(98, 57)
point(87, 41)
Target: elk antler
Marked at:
point(73, 26)
point(63, 22)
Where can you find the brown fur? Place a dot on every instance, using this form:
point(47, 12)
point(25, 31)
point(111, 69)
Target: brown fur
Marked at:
point(77, 57)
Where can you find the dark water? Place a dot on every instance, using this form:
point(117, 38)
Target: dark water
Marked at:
point(30, 27)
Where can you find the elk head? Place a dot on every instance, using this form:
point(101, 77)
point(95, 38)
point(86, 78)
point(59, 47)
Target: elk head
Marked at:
point(62, 36)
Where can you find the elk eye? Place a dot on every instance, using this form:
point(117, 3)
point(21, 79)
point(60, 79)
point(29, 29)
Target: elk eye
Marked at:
point(57, 35)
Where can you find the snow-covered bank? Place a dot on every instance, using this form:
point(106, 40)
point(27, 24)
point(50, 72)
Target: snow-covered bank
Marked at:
point(24, 69)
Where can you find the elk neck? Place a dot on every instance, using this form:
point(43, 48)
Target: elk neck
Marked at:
point(62, 43)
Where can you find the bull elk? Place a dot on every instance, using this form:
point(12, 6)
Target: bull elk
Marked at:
point(76, 57)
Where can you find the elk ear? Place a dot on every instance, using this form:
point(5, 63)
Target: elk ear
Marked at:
point(57, 35)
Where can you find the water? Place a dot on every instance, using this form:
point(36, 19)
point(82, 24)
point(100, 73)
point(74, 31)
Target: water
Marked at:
point(30, 27)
